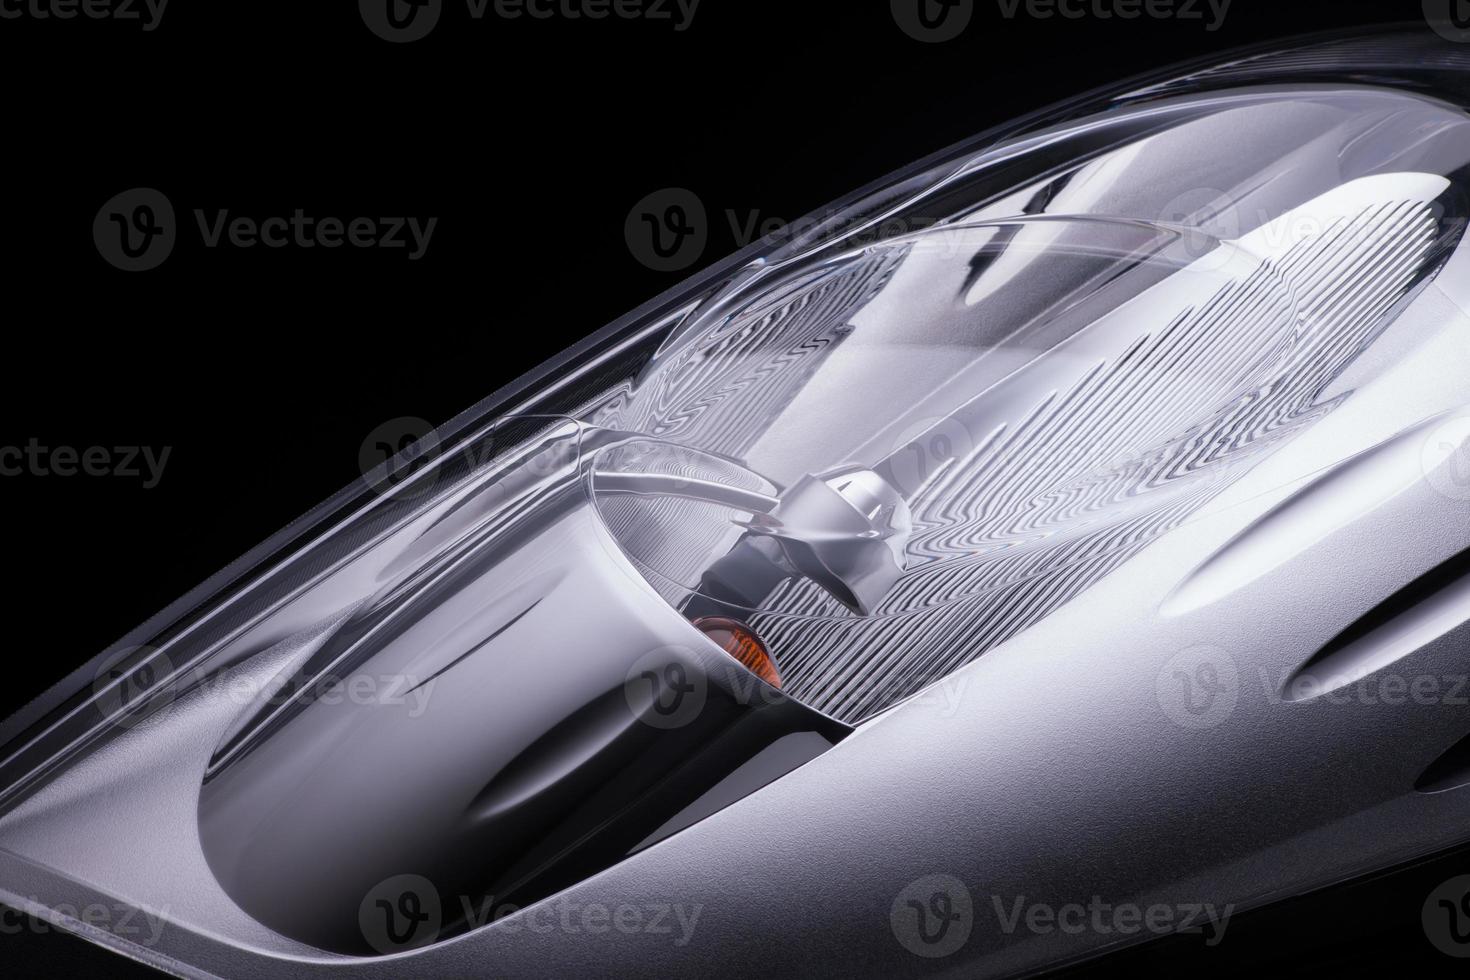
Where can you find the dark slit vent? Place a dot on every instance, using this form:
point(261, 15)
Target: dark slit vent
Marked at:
point(1422, 611)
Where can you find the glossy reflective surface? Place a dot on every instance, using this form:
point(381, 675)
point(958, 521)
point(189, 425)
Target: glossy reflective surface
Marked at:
point(1049, 465)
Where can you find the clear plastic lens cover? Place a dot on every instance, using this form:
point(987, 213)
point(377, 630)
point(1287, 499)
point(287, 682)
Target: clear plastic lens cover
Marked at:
point(1047, 393)
point(887, 444)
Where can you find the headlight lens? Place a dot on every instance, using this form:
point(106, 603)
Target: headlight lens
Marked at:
point(730, 529)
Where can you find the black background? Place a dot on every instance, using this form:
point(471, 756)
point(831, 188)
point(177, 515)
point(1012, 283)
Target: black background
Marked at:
point(264, 370)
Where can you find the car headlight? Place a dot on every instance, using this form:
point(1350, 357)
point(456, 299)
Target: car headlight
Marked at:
point(784, 499)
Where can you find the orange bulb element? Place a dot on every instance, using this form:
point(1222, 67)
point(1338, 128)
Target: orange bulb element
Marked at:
point(740, 642)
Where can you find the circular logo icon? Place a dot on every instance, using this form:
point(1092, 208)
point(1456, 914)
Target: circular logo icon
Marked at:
point(933, 21)
point(667, 230)
point(1198, 689)
point(1450, 19)
point(133, 685)
point(408, 446)
point(1446, 917)
point(1202, 217)
point(401, 913)
point(666, 689)
point(925, 448)
point(933, 916)
point(400, 21)
point(135, 230)
point(1446, 459)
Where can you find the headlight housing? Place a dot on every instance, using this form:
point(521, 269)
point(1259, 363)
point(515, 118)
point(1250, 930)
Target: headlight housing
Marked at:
point(770, 509)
